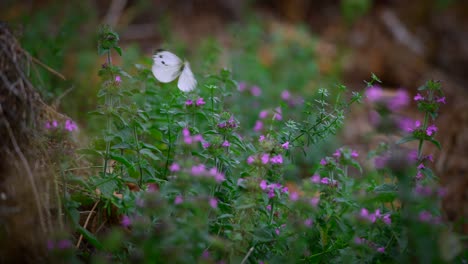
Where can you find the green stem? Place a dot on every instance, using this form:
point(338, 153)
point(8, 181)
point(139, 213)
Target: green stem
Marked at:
point(135, 135)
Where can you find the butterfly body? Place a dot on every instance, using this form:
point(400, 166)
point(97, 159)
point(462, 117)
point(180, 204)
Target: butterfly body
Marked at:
point(167, 67)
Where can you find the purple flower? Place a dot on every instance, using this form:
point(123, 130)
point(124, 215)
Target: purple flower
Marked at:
point(258, 126)
point(118, 79)
point(268, 207)
point(425, 216)
point(285, 145)
point(315, 178)
point(263, 185)
point(179, 199)
point(261, 138)
point(418, 97)
point(374, 93)
point(359, 241)
point(325, 181)
point(241, 86)
point(198, 170)
point(400, 100)
point(314, 201)
point(419, 176)
point(441, 100)
point(70, 125)
point(265, 158)
point(294, 196)
point(405, 124)
point(226, 144)
point(263, 114)
point(206, 144)
point(337, 153)
point(126, 221)
point(380, 161)
point(381, 249)
point(55, 123)
point(285, 95)
point(364, 213)
point(213, 203)
point(278, 159)
point(354, 154)
point(250, 160)
point(186, 132)
point(198, 138)
point(47, 125)
point(421, 166)
point(255, 91)
point(271, 193)
point(188, 102)
point(277, 231)
point(200, 102)
point(50, 245)
point(64, 244)
point(308, 222)
point(278, 115)
point(431, 130)
point(386, 219)
point(323, 162)
point(174, 167)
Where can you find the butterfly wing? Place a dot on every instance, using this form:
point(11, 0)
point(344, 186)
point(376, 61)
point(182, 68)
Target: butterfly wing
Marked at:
point(167, 66)
point(187, 81)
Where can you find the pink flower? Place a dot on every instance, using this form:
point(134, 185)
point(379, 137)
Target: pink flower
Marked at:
point(419, 176)
point(323, 162)
point(186, 132)
point(206, 144)
point(265, 158)
point(285, 145)
point(240, 181)
point(258, 126)
point(250, 160)
point(55, 123)
point(126, 221)
point(277, 231)
point(359, 241)
point(354, 154)
point(226, 144)
point(70, 125)
point(374, 93)
point(188, 140)
point(174, 167)
point(118, 79)
point(179, 199)
point(271, 193)
point(425, 216)
point(188, 103)
point(431, 130)
point(337, 153)
point(421, 166)
point(200, 102)
point(325, 181)
point(308, 222)
point(268, 207)
point(417, 123)
point(314, 201)
point(294, 196)
point(381, 249)
point(405, 124)
point(278, 115)
point(315, 178)
point(278, 159)
point(213, 203)
point(418, 97)
point(47, 125)
point(263, 185)
point(364, 213)
point(198, 170)
point(263, 114)
point(441, 100)
point(400, 100)
point(64, 244)
point(386, 219)
point(241, 86)
point(261, 138)
point(285, 95)
point(255, 91)
point(198, 138)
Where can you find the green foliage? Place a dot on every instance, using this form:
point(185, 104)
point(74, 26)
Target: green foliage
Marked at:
point(213, 188)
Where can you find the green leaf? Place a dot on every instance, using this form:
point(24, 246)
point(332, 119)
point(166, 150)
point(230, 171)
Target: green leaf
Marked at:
point(118, 49)
point(406, 139)
point(122, 160)
point(147, 153)
point(91, 152)
point(435, 142)
point(89, 237)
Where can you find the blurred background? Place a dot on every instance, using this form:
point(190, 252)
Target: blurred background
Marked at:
point(297, 46)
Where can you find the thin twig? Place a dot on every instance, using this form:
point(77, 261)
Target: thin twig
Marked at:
point(27, 168)
point(60, 97)
point(43, 65)
point(248, 255)
point(86, 223)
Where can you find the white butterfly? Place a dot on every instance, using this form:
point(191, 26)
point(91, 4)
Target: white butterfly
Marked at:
point(167, 67)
